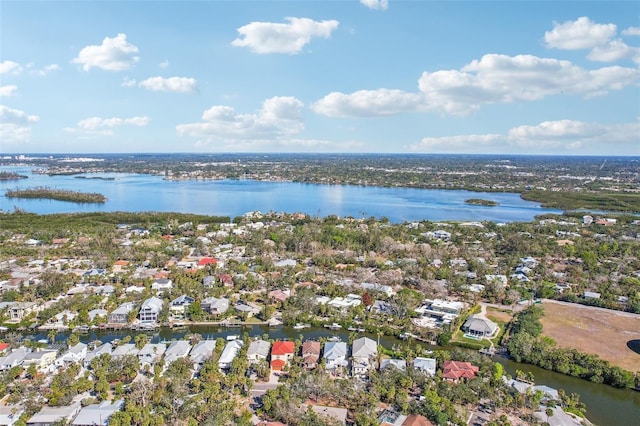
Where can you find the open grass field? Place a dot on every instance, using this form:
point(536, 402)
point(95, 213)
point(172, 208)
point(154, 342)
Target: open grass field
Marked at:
point(593, 330)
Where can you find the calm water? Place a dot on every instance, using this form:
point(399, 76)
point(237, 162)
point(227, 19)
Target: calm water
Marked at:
point(606, 406)
point(133, 192)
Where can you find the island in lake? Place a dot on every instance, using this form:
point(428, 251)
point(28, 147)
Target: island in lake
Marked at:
point(11, 176)
point(481, 202)
point(57, 194)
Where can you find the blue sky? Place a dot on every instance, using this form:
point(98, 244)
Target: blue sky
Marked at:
point(541, 77)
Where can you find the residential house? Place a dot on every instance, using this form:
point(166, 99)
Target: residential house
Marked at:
point(47, 416)
point(335, 356)
point(150, 310)
point(19, 311)
point(379, 288)
point(120, 266)
point(121, 314)
point(94, 313)
point(201, 352)
point(61, 319)
point(363, 356)
point(209, 281)
point(177, 349)
point(426, 365)
point(13, 359)
point(124, 350)
point(478, 326)
point(105, 348)
point(416, 420)
point(151, 354)
point(229, 353)
point(281, 353)
point(98, 414)
point(161, 285)
point(347, 302)
point(390, 417)
point(279, 295)
point(215, 306)
point(310, 354)
point(590, 295)
point(10, 414)
point(247, 308)
point(258, 350)
point(179, 307)
point(76, 353)
point(207, 261)
point(400, 364)
point(41, 359)
point(453, 371)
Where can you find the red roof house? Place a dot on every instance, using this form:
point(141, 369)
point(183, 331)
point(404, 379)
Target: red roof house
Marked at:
point(281, 353)
point(3, 346)
point(456, 370)
point(207, 261)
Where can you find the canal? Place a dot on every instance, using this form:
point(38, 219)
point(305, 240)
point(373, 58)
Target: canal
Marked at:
point(606, 406)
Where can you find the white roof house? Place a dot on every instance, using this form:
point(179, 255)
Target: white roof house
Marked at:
point(387, 290)
point(258, 350)
point(50, 415)
point(427, 365)
point(126, 349)
point(105, 348)
point(363, 355)
point(214, 305)
point(335, 355)
point(97, 414)
point(151, 353)
point(15, 358)
point(150, 310)
point(400, 364)
point(201, 352)
point(10, 414)
point(76, 353)
point(177, 349)
point(229, 353)
point(162, 284)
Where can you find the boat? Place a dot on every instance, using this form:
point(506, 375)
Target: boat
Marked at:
point(352, 329)
point(232, 337)
point(273, 322)
point(334, 326)
point(300, 326)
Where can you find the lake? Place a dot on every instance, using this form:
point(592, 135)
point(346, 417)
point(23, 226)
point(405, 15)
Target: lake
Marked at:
point(135, 192)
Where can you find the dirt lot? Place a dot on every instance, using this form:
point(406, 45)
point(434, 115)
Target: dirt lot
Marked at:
point(496, 315)
point(593, 330)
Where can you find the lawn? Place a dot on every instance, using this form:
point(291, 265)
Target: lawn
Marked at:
point(598, 331)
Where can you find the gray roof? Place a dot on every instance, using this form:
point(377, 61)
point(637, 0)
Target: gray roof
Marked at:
point(105, 348)
point(424, 364)
point(177, 349)
point(202, 351)
point(400, 364)
point(335, 350)
point(480, 324)
point(48, 415)
point(126, 349)
point(153, 303)
point(230, 352)
point(258, 347)
point(98, 414)
point(152, 350)
point(364, 347)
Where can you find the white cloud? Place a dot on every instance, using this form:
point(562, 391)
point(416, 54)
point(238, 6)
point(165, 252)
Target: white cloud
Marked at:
point(93, 123)
point(599, 38)
point(376, 4)
point(15, 125)
point(289, 38)
point(171, 84)
point(8, 90)
point(631, 31)
point(128, 82)
point(164, 64)
point(493, 79)
point(367, 103)
point(566, 136)
point(579, 34)
point(279, 118)
point(7, 67)
point(114, 54)
point(47, 69)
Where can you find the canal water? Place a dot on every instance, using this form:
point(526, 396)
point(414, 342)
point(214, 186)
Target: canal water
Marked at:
point(606, 406)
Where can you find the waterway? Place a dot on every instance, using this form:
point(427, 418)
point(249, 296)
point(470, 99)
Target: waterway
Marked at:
point(606, 406)
point(136, 192)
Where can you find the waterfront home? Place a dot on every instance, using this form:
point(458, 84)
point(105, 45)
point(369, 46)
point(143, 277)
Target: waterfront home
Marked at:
point(281, 354)
point(97, 313)
point(400, 364)
point(42, 359)
point(215, 306)
point(47, 416)
point(105, 348)
point(13, 358)
point(177, 349)
point(426, 365)
point(76, 353)
point(201, 352)
point(478, 326)
point(335, 356)
point(229, 353)
point(310, 354)
point(363, 356)
point(258, 350)
point(279, 295)
point(453, 371)
point(61, 319)
point(120, 315)
point(97, 414)
point(18, 311)
point(246, 308)
point(151, 354)
point(347, 302)
point(150, 310)
point(125, 349)
point(179, 307)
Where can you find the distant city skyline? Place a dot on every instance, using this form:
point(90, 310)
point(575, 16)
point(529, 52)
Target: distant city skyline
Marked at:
point(370, 76)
